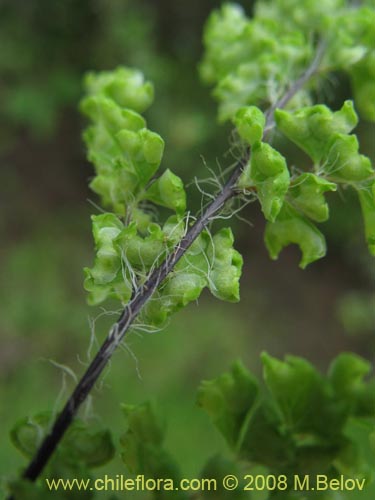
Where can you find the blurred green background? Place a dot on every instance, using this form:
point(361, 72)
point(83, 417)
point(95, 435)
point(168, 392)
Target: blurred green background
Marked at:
point(45, 48)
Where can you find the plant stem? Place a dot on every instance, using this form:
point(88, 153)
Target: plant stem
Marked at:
point(142, 294)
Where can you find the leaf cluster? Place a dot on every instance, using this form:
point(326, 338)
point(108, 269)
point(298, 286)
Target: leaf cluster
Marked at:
point(253, 60)
point(129, 241)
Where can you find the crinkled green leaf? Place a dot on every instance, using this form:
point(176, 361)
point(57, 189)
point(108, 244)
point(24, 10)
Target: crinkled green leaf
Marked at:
point(312, 127)
point(228, 399)
point(126, 155)
point(302, 424)
point(120, 288)
point(247, 58)
point(347, 374)
point(102, 149)
point(143, 447)
point(81, 446)
point(168, 191)
point(216, 261)
point(105, 278)
point(174, 229)
point(223, 30)
point(108, 114)
point(354, 33)
point(268, 173)
point(307, 193)
point(142, 252)
point(343, 162)
point(93, 448)
point(309, 15)
point(366, 194)
point(263, 439)
point(226, 268)
point(299, 390)
point(27, 434)
point(145, 423)
point(250, 122)
point(143, 150)
point(125, 86)
point(181, 289)
point(105, 227)
point(290, 227)
point(196, 258)
point(116, 188)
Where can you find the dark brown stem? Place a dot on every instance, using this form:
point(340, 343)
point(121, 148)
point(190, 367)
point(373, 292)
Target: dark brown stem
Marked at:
point(141, 295)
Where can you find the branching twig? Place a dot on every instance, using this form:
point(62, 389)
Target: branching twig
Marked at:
point(144, 293)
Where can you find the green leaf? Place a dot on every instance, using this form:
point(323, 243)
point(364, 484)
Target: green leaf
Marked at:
point(297, 388)
point(343, 162)
point(347, 375)
point(181, 289)
point(120, 288)
point(125, 86)
point(289, 228)
point(116, 188)
point(81, 445)
point(247, 59)
point(105, 228)
point(168, 191)
point(268, 172)
point(347, 371)
point(307, 193)
point(27, 434)
point(106, 279)
point(223, 278)
point(313, 127)
point(141, 251)
point(228, 399)
point(92, 448)
point(143, 150)
point(366, 194)
point(263, 440)
point(250, 122)
point(143, 451)
point(145, 423)
point(101, 109)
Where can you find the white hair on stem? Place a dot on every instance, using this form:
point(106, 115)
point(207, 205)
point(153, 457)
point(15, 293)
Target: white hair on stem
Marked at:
point(126, 348)
point(66, 371)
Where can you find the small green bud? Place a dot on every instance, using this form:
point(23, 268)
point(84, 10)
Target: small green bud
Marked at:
point(168, 191)
point(268, 172)
point(250, 122)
